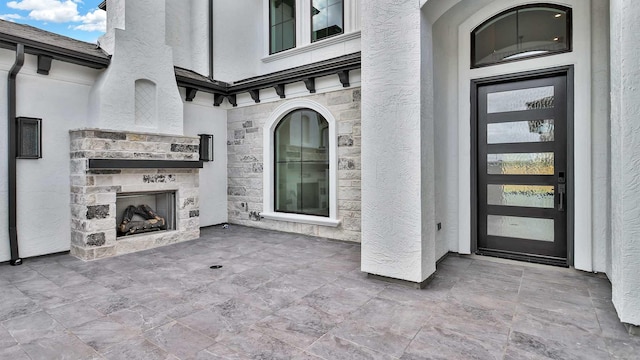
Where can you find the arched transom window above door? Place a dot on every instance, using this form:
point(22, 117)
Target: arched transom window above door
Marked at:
point(523, 32)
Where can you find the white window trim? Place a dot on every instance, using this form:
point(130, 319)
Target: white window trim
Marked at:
point(269, 158)
point(351, 27)
point(312, 46)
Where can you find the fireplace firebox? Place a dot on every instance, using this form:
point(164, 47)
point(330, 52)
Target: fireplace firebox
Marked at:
point(138, 209)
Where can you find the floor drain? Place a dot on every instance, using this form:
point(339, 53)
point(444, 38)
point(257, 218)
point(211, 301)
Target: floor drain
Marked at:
point(215, 266)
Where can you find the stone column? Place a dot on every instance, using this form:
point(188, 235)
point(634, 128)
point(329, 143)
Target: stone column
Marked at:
point(397, 200)
point(625, 159)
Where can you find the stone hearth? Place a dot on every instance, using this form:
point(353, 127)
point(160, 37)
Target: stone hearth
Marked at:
point(94, 191)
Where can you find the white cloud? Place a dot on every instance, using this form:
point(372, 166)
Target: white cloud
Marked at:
point(10, 17)
point(62, 11)
point(56, 11)
point(93, 21)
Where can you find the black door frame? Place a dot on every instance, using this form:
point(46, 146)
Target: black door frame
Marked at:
point(528, 75)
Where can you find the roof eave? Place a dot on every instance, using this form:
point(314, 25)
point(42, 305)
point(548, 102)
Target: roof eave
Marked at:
point(37, 48)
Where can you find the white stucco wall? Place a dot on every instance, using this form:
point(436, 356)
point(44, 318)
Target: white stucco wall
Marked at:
point(200, 36)
point(625, 157)
point(187, 33)
point(241, 31)
point(61, 100)
point(237, 33)
point(430, 248)
point(139, 52)
point(600, 141)
point(201, 117)
point(393, 212)
point(178, 30)
point(445, 78)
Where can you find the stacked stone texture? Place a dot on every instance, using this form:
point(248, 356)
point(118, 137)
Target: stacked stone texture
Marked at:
point(93, 191)
point(245, 166)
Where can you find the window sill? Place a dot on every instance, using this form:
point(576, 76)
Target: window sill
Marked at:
point(312, 46)
point(303, 219)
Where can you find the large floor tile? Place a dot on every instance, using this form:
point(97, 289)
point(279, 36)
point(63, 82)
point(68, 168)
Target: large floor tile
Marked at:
point(256, 345)
point(538, 346)
point(137, 349)
point(103, 333)
point(335, 348)
point(441, 343)
point(32, 327)
point(63, 347)
point(75, 314)
point(178, 339)
point(290, 296)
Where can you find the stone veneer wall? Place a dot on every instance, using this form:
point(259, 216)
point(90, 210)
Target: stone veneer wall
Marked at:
point(245, 164)
point(93, 192)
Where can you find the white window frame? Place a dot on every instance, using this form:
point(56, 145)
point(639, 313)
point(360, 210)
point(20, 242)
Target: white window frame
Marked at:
point(351, 16)
point(269, 165)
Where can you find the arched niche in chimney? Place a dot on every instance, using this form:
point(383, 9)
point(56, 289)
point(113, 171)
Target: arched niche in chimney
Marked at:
point(146, 104)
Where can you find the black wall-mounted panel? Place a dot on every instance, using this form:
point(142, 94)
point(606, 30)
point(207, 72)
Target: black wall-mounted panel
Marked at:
point(29, 138)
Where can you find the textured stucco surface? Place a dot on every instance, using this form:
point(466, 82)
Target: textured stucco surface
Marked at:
point(246, 165)
point(187, 33)
point(246, 37)
point(625, 160)
point(600, 135)
point(178, 30)
point(239, 39)
point(445, 107)
point(112, 99)
point(43, 184)
point(392, 232)
point(430, 246)
point(201, 117)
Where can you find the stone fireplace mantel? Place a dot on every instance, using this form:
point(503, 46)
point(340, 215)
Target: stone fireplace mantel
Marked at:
point(105, 163)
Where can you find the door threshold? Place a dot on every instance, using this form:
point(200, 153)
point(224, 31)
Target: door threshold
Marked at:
point(536, 259)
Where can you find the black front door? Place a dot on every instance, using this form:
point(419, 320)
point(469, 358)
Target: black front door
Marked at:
point(522, 169)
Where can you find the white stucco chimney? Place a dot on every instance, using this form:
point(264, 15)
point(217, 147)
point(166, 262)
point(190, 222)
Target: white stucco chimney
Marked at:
point(138, 91)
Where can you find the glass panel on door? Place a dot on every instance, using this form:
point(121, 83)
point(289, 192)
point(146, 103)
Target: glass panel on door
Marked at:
point(520, 132)
point(521, 99)
point(537, 196)
point(521, 164)
point(520, 227)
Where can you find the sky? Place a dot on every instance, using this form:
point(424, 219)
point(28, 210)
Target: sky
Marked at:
point(79, 19)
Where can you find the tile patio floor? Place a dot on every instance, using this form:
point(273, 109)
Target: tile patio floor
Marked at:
point(281, 296)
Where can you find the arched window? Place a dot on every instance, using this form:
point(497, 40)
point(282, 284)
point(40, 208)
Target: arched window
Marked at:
point(300, 164)
point(301, 173)
point(522, 32)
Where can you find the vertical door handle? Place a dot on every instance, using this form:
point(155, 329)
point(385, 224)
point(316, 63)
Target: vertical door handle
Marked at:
point(562, 189)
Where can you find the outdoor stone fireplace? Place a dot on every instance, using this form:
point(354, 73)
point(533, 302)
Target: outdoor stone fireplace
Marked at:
point(112, 170)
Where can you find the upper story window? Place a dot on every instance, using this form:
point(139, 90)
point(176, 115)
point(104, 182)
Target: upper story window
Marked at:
point(282, 25)
point(522, 32)
point(296, 26)
point(327, 18)
point(301, 142)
